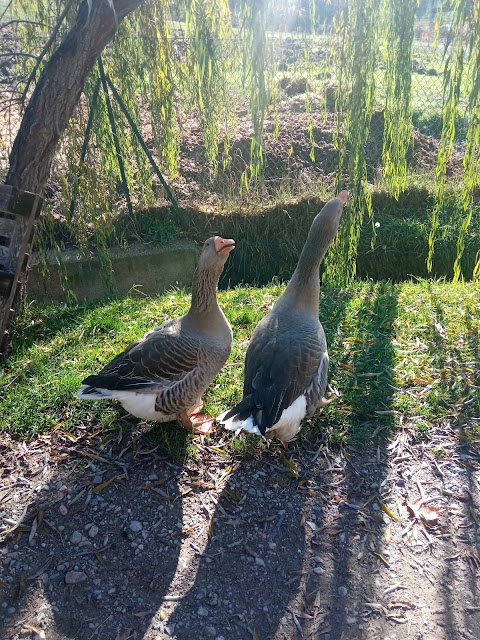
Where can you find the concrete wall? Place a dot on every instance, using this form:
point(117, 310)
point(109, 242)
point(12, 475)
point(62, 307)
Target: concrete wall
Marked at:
point(149, 268)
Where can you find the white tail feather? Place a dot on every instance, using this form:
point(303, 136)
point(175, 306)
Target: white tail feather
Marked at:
point(95, 394)
point(288, 425)
point(234, 424)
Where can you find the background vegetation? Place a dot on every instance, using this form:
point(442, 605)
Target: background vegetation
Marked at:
point(245, 105)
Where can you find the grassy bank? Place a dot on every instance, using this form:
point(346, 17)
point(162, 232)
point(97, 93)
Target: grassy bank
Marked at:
point(399, 250)
point(406, 354)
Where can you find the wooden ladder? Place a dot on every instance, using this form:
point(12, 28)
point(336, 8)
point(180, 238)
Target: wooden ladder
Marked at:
point(18, 213)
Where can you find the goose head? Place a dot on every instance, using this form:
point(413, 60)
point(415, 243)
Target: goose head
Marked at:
point(215, 252)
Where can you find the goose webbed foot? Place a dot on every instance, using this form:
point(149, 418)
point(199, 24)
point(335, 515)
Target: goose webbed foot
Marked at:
point(323, 403)
point(196, 421)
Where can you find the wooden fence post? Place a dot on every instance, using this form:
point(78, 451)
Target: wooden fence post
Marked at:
point(18, 213)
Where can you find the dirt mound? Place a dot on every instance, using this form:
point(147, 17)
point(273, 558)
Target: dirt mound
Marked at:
point(291, 156)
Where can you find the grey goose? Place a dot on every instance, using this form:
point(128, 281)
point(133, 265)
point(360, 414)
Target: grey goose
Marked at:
point(163, 376)
point(286, 364)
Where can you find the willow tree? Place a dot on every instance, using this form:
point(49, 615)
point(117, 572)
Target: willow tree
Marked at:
point(462, 67)
point(188, 47)
point(51, 106)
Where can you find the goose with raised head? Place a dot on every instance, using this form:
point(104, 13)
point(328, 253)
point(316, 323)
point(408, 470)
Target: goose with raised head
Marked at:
point(286, 364)
point(163, 376)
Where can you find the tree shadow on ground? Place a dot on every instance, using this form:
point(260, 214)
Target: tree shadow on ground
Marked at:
point(369, 355)
point(459, 465)
point(100, 538)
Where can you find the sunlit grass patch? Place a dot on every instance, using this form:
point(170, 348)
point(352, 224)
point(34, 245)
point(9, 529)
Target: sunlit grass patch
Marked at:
point(401, 354)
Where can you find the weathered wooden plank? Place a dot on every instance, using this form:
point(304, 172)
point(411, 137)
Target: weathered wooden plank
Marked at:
point(13, 201)
point(18, 213)
point(6, 280)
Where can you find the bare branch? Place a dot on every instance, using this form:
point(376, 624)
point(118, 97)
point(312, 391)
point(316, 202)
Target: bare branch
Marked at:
point(10, 22)
point(17, 54)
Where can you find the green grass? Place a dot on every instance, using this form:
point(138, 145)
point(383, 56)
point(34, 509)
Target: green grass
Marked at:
point(405, 354)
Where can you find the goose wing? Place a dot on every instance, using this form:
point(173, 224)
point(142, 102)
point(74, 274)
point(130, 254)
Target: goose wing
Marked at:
point(165, 355)
point(279, 368)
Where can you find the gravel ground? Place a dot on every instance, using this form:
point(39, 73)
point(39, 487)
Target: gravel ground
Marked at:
point(113, 540)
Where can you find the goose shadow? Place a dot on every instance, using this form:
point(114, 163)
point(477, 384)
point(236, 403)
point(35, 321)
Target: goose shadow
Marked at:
point(251, 576)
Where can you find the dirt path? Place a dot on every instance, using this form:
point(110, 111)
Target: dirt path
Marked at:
point(119, 542)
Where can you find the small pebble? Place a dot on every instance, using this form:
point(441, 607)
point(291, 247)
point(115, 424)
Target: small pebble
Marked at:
point(62, 510)
point(75, 577)
point(93, 531)
point(135, 526)
point(259, 561)
point(152, 477)
point(211, 631)
point(11, 610)
point(202, 611)
point(76, 537)
point(97, 479)
point(342, 591)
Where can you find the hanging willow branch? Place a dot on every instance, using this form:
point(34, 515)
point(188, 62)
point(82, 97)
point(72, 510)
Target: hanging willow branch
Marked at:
point(452, 84)
point(471, 160)
point(158, 80)
point(208, 29)
point(254, 41)
point(357, 54)
point(398, 128)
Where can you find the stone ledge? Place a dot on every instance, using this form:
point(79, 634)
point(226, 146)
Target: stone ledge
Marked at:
point(142, 269)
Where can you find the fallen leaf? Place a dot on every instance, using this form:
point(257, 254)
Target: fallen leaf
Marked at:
point(389, 513)
point(210, 528)
point(427, 514)
point(104, 485)
point(33, 530)
point(232, 494)
point(222, 452)
point(288, 463)
point(382, 558)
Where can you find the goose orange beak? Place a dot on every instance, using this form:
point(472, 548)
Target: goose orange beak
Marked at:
point(224, 246)
point(342, 196)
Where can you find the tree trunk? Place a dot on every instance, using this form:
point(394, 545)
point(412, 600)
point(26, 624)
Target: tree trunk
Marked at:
point(47, 114)
point(58, 91)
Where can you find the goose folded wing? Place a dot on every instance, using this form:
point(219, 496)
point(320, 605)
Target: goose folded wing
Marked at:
point(278, 371)
point(161, 358)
